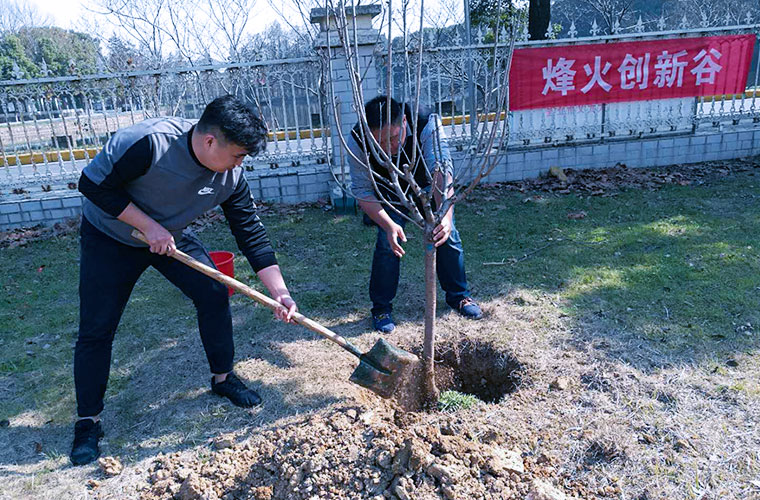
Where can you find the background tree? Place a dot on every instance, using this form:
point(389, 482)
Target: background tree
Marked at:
point(123, 56)
point(539, 16)
point(715, 12)
point(448, 186)
point(608, 14)
point(141, 22)
point(183, 30)
point(486, 14)
point(60, 51)
point(14, 57)
point(444, 21)
point(17, 14)
point(275, 42)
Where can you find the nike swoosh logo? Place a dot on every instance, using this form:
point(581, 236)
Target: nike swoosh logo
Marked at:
point(206, 190)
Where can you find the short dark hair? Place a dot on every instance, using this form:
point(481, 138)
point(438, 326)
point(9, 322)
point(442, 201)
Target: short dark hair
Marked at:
point(237, 122)
point(376, 110)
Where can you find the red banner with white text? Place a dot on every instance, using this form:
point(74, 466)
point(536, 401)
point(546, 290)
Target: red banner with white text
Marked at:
point(575, 75)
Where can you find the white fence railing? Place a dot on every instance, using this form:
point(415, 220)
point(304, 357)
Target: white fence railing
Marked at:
point(51, 127)
point(446, 73)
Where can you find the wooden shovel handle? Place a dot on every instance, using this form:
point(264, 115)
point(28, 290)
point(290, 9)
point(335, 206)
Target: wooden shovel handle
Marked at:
point(258, 297)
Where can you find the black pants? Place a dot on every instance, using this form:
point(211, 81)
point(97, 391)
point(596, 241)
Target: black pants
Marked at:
point(108, 272)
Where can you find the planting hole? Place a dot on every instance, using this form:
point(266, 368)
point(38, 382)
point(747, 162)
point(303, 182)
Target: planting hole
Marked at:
point(477, 368)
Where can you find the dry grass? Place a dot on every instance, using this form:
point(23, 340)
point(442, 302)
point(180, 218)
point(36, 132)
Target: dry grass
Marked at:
point(647, 308)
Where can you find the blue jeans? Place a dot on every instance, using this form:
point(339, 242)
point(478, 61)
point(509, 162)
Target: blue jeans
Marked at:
point(383, 281)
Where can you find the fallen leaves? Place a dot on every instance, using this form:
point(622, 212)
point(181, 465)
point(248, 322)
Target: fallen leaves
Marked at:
point(22, 236)
point(576, 215)
point(610, 181)
point(558, 173)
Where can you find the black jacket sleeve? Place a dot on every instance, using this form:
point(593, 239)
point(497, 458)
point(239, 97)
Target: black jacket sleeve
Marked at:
point(110, 195)
point(247, 228)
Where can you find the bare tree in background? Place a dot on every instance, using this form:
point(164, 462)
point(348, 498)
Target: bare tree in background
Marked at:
point(448, 186)
point(445, 13)
point(230, 19)
point(141, 21)
point(614, 13)
point(301, 22)
point(715, 12)
point(17, 14)
point(274, 42)
point(444, 19)
point(191, 31)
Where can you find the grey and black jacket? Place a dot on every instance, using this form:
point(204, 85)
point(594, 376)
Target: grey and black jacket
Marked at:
point(152, 165)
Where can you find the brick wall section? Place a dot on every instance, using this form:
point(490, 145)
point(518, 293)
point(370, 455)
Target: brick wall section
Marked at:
point(282, 185)
point(308, 183)
point(656, 152)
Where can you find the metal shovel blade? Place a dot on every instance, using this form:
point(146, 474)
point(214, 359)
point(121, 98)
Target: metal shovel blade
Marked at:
point(383, 368)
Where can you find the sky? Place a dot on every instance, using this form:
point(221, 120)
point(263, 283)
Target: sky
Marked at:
point(64, 12)
point(70, 13)
point(67, 13)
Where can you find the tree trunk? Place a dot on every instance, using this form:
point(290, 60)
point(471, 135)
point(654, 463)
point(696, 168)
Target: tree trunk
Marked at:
point(539, 15)
point(428, 351)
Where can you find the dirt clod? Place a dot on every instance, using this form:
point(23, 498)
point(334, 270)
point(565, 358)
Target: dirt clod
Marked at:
point(223, 442)
point(560, 384)
point(540, 490)
point(111, 466)
point(194, 488)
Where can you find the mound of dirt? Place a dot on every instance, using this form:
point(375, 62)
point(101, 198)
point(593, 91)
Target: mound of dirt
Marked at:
point(359, 452)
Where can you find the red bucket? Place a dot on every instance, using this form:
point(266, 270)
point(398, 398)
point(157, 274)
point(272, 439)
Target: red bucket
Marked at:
point(225, 263)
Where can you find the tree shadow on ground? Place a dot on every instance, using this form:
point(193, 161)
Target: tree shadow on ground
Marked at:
point(167, 413)
point(675, 270)
point(159, 396)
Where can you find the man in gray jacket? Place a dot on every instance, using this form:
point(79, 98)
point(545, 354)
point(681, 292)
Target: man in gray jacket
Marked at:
point(158, 176)
point(395, 138)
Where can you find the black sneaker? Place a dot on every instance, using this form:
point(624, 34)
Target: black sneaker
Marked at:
point(85, 449)
point(235, 390)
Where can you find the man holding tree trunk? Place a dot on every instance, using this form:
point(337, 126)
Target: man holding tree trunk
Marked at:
point(396, 139)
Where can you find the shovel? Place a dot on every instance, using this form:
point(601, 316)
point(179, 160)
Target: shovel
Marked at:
point(381, 369)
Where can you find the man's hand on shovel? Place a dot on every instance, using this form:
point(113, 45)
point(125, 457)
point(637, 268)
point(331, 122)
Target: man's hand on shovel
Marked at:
point(271, 277)
point(290, 308)
point(160, 240)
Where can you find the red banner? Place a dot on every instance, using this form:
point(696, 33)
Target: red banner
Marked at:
point(575, 75)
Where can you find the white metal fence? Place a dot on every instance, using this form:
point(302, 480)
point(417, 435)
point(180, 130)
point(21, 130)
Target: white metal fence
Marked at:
point(445, 88)
point(51, 127)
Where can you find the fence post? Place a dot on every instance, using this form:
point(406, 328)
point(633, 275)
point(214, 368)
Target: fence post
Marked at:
point(337, 84)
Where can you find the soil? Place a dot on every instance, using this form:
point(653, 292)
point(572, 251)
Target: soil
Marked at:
point(357, 452)
point(375, 450)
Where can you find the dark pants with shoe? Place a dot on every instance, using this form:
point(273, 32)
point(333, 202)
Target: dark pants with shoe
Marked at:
point(383, 282)
point(108, 272)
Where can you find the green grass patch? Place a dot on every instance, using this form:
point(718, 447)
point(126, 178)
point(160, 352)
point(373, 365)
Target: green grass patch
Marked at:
point(676, 267)
point(451, 401)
